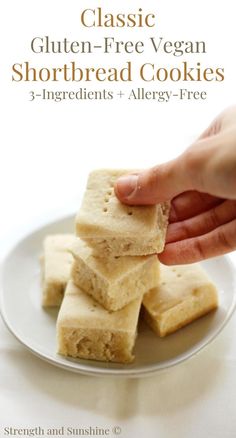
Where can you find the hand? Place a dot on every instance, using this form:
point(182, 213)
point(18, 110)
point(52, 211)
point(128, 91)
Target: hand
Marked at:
point(201, 184)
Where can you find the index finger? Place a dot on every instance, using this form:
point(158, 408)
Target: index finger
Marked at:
point(190, 204)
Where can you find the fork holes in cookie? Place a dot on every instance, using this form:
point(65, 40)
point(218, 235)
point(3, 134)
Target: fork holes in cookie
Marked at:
point(105, 210)
point(130, 213)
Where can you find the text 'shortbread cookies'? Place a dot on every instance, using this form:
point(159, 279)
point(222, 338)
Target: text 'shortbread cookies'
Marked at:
point(56, 264)
point(112, 228)
point(113, 281)
point(185, 293)
point(88, 331)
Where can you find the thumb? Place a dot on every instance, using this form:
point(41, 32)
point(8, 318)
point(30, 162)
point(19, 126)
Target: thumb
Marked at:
point(151, 186)
point(194, 169)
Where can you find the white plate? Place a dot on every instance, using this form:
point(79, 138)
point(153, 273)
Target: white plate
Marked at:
point(35, 328)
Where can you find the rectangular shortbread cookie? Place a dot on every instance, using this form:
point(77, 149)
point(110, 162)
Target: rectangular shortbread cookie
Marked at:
point(113, 281)
point(88, 331)
point(112, 228)
point(185, 293)
point(56, 264)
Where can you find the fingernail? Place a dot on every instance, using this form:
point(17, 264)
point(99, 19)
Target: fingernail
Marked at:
point(126, 185)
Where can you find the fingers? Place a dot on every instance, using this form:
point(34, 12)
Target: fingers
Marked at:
point(211, 163)
point(208, 166)
point(217, 242)
point(154, 185)
point(190, 204)
point(190, 171)
point(202, 223)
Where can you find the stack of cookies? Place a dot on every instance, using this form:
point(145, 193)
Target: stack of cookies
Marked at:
point(104, 274)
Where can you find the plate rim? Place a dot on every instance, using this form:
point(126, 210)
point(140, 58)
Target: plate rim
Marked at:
point(93, 370)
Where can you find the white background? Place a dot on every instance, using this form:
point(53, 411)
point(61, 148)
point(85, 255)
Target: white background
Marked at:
point(46, 151)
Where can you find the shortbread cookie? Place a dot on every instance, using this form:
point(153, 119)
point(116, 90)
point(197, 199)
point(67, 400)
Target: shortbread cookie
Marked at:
point(113, 281)
point(88, 331)
point(185, 293)
point(56, 265)
point(112, 228)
